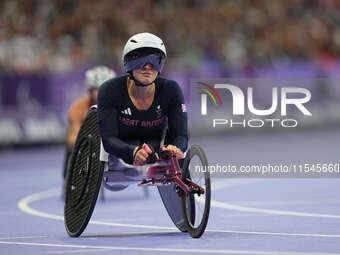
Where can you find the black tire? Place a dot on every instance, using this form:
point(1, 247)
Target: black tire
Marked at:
point(196, 220)
point(84, 177)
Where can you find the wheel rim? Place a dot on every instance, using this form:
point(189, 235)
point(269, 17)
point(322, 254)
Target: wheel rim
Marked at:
point(195, 173)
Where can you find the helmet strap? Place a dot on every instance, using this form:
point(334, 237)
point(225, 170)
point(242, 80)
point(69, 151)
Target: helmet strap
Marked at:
point(138, 83)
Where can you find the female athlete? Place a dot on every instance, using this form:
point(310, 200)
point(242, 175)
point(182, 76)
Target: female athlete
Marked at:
point(140, 106)
point(135, 110)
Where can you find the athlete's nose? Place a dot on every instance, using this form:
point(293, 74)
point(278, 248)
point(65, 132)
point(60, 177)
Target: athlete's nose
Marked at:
point(148, 66)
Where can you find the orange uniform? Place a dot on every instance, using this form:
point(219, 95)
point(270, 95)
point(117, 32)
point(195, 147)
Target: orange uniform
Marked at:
point(78, 110)
point(76, 116)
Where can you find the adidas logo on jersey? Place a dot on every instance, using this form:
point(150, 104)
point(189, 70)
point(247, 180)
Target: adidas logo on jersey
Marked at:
point(127, 111)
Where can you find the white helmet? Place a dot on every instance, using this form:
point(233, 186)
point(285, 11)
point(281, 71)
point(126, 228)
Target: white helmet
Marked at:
point(146, 42)
point(97, 76)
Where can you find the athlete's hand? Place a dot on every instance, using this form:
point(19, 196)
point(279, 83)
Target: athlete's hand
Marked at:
point(140, 156)
point(174, 149)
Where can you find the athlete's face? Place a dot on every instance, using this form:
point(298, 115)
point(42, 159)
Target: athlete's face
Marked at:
point(146, 74)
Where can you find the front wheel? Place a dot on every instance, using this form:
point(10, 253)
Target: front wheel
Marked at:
point(195, 169)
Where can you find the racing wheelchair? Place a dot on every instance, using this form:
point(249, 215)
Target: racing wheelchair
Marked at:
point(185, 192)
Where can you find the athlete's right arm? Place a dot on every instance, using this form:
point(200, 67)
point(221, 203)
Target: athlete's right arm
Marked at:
point(108, 101)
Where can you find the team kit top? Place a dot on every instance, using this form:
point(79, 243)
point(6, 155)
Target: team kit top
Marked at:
point(123, 126)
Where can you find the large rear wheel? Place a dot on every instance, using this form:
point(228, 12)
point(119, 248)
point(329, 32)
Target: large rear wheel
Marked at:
point(84, 177)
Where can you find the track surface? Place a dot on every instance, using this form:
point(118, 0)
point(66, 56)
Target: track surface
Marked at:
point(248, 216)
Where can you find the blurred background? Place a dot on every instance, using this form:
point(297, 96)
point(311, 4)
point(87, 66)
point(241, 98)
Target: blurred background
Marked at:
point(47, 45)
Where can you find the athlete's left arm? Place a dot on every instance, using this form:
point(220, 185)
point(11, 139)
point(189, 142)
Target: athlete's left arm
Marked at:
point(177, 118)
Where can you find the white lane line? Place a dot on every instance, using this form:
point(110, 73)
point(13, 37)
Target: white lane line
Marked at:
point(21, 237)
point(76, 251)
point(103, 223)
point(177, 250)
point(275, 233)
point(23, 204)
point(145, 233)
point(270, 211)
point(235, 182)
point(129, 219)
point(241, 215)
point(241, 208)
point(286, 202)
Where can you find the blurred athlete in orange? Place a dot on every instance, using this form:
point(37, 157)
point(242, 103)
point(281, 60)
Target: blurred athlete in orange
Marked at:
point(93, 79)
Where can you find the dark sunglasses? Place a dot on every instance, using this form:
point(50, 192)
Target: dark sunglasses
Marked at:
point(143, 52)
